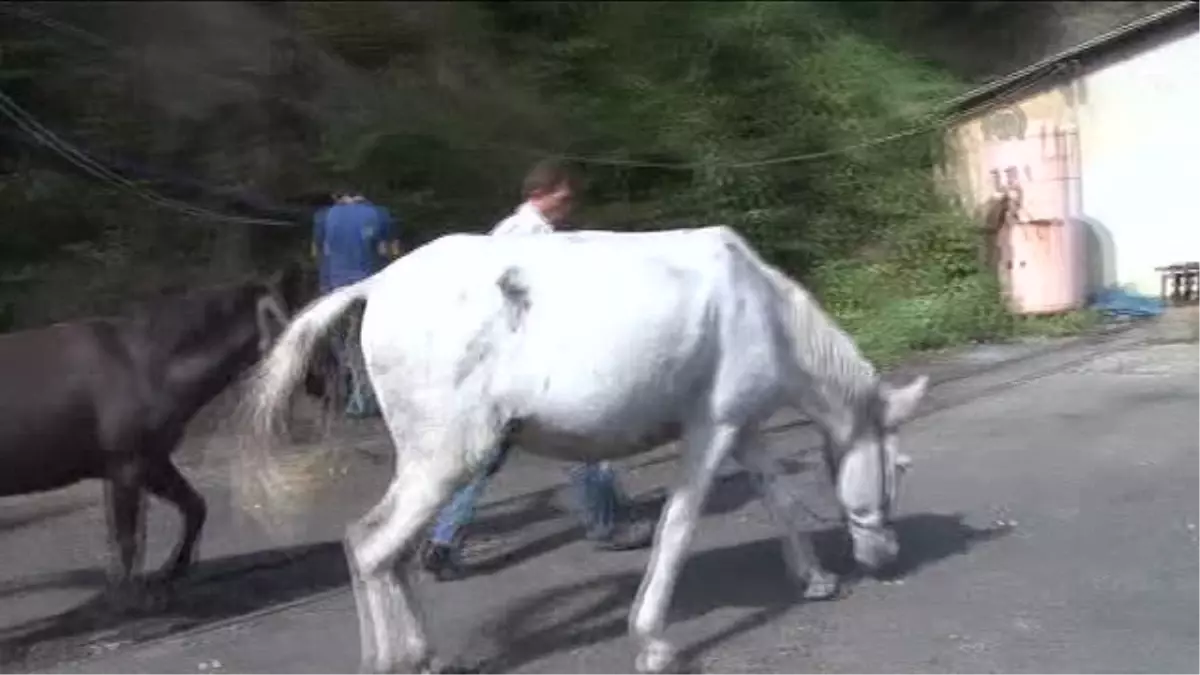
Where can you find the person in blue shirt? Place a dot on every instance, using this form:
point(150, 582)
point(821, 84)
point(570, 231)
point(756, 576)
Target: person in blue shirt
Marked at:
point(353, 239)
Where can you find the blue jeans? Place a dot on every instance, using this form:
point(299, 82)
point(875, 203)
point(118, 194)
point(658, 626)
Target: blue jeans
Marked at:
point(596, 492)
point(361, 401)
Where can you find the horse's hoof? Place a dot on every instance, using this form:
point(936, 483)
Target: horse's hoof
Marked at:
point(656, 657)
point(390, 669)
point(158, 598)
point(456, 667)
point(481, 668)
point(178, 570)
point(123, 600)
point(821, 586)
point(421, 665)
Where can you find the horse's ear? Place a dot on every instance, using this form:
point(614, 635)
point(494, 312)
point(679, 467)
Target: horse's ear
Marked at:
point(900, 403)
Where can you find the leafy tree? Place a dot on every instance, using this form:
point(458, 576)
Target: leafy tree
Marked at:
point(811, 127)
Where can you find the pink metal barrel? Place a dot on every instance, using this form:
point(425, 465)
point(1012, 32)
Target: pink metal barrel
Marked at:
point(1040, 248)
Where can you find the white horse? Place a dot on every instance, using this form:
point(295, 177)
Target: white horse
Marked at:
point(595, 346)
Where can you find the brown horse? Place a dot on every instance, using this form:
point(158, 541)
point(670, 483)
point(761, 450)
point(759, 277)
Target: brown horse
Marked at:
point(110, 398)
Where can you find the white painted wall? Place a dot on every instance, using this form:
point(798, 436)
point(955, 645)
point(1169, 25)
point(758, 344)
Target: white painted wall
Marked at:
point(1139, 129)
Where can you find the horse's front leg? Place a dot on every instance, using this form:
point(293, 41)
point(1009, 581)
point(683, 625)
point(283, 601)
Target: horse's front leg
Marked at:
point(704, 451)
point(819, 583)
point(798, 549)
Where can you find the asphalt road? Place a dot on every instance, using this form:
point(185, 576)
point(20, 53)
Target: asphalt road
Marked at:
point(1048, 526)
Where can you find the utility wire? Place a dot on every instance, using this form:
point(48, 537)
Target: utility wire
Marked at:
point(917, 130)
point(1047, 70)
point(1074, 52)
point(82, 160)
point(96, 41)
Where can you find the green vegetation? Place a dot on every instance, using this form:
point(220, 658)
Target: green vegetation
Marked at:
point(412, 104)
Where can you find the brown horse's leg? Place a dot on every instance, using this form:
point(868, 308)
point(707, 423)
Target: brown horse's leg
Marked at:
point(164, 481)
point(126, 532)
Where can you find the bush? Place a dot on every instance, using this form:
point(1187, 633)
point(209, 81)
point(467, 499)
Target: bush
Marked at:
point(745, 81)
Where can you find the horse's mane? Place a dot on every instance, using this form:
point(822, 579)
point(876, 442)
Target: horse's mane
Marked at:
point(175, 317)
point(821, 347)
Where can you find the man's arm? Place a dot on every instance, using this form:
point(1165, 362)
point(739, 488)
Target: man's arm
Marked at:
point(318, 236)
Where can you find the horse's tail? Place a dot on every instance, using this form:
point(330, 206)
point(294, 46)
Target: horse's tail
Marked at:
point(281, 370)
point(265, 483)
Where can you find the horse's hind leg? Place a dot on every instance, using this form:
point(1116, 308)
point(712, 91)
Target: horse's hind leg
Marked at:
point(164, 481)
point(798, 551)
point(383, 594)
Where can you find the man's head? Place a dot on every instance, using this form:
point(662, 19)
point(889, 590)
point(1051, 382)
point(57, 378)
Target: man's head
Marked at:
point(550, 187)
point(346, 196)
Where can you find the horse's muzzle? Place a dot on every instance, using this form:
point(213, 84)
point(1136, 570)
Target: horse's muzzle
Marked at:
point(874, 548)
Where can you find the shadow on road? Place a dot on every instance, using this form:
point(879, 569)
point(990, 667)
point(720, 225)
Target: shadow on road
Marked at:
point(750, 575)
point(40, 516)
point(219, 589)
point(729, 494)
point(927, 538)
point(238, 585)
point(511, 518)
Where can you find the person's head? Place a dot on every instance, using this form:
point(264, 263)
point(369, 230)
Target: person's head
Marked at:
point(345, 195)
point(550, 188)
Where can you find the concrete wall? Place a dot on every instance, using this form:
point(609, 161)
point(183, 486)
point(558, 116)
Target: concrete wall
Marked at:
point(1139, 125)
point(1128, 178)
point(974, 153)
point(1028, 145)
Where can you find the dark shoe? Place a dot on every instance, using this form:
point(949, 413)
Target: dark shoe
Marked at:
point(441, 561)
point(628, 536)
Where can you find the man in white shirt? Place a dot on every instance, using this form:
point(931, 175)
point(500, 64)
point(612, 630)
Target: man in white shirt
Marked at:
point(549, 192)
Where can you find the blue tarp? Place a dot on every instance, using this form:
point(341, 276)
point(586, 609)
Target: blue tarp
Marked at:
point(1120, 302)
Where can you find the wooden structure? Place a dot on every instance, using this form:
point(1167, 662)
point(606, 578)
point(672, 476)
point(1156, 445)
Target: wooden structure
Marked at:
point(1181, 283)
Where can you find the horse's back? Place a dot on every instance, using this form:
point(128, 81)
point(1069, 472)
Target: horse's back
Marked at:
point(614, 333)
point(577, 262)
point(46, 361)
point(48, 395)
point(599, 296)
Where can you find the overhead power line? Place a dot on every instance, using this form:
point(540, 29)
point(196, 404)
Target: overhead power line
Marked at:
point(915, 130)
point(83, 161)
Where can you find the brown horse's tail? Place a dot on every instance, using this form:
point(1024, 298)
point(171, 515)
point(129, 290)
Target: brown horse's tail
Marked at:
point(264, 483)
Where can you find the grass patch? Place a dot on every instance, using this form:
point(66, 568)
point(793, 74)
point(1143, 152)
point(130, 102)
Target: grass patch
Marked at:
point(1057, 325)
